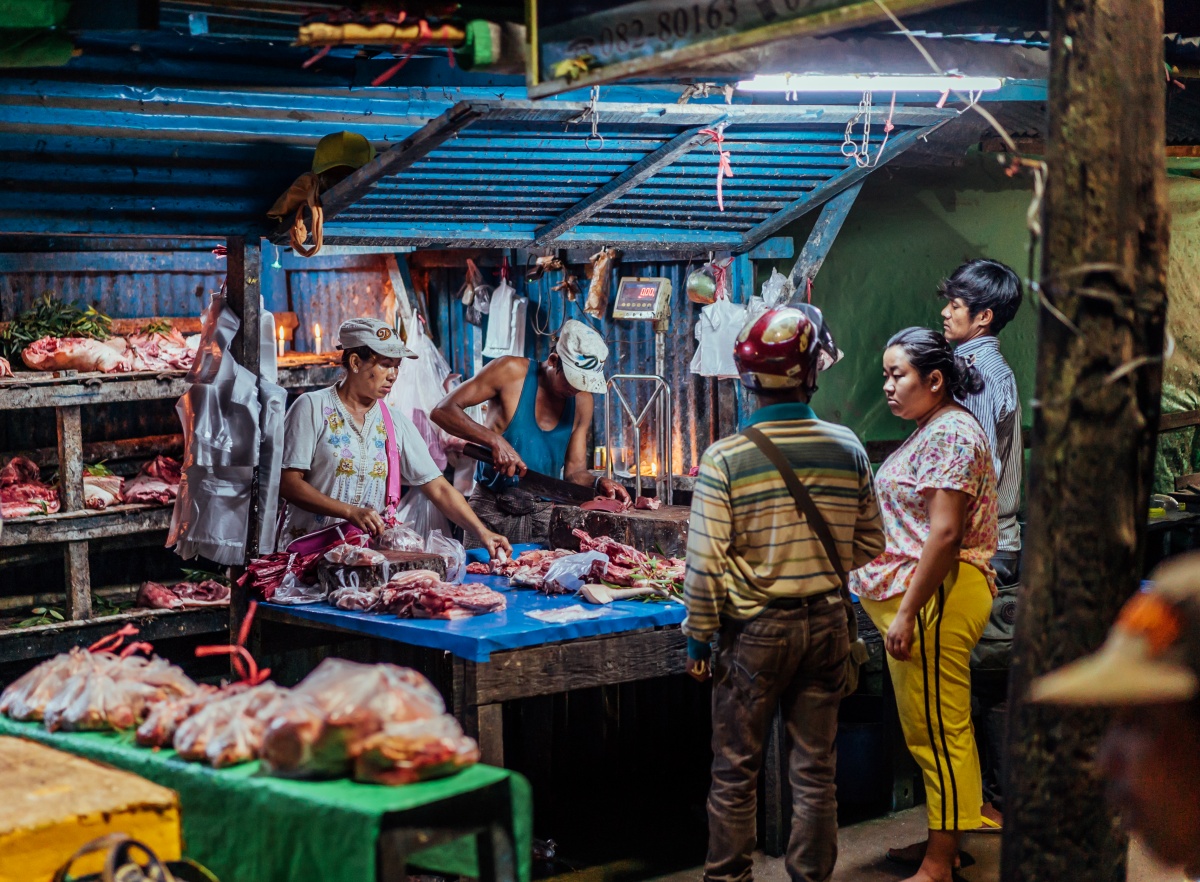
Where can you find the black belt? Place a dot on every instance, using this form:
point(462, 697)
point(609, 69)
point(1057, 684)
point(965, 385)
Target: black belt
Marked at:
point(789, 603)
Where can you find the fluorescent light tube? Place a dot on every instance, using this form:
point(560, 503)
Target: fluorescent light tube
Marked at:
point(868, 83)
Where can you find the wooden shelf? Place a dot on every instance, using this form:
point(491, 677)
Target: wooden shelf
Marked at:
point(79, 526)
point(43, 641)
point(33, 389)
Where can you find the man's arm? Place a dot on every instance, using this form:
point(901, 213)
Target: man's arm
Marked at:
point(709, 536)
point(575, 469)
point(488, 385)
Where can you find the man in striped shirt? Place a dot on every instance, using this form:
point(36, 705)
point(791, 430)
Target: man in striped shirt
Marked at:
point(982, 297)
point(759, 579)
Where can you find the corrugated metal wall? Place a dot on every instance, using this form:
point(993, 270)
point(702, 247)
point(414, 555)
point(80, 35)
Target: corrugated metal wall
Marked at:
point(631, 350)
point(117, 294)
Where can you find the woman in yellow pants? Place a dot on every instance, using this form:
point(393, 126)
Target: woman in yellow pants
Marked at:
point(930, 592)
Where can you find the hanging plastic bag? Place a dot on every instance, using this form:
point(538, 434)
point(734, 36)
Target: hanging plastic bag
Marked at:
point(451, 551)
point(422, 516)
point(420, 387)
point(400, 537)
point(710, 283)
point(716, 336)
point(568, 574)
point(476, 296)
point(776, 289)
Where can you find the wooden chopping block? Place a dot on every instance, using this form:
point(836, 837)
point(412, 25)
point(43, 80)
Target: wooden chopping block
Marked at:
point(333, 576)
point(52, 802)
point(655, 532)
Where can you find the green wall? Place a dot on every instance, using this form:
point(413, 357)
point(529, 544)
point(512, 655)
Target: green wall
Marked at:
point(908, 229)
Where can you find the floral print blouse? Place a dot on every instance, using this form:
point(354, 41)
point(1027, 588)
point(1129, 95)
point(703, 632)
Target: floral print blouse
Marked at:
point(949, 453)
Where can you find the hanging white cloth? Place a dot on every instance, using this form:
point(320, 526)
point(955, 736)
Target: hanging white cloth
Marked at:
point(716, 336)
point(506, 323)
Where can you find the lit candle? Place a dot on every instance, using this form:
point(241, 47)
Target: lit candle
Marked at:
point(281, 344)
point(317, 337)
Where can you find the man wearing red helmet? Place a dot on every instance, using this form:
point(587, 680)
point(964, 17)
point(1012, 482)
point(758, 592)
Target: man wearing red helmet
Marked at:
point(760, 579)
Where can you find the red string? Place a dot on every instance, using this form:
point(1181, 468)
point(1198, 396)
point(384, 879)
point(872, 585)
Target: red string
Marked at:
point(720, 275)
point(321, 53)
point(724, 169)
point(424, 36)
point(243, 662)
point(808, 288)
point(220, 251)
point(887, 126)
point(113, 640)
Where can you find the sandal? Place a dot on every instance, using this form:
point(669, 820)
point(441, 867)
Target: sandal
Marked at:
point(990, 821)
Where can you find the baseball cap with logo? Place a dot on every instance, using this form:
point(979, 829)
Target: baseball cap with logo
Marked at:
point(1152, 654)
point(375, 335)
point(582, 352)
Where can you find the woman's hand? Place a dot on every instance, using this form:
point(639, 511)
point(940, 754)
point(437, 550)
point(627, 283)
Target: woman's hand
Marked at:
point(899, 639)
point(366, 519)
point(495, 544)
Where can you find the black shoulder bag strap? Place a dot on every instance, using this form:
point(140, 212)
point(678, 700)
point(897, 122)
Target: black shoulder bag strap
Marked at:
point(809, 511)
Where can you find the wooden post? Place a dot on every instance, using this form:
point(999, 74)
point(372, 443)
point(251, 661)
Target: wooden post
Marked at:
point(243, 260)
point(1095, 417)
point(70, 488)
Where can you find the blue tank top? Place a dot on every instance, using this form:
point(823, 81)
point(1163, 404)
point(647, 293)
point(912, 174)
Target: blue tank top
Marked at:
point(543, 451)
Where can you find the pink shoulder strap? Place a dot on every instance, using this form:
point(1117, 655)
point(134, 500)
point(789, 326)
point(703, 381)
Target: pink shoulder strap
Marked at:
point(393, 458)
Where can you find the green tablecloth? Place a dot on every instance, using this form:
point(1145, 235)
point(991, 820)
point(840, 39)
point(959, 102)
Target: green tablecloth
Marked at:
point(248, 827)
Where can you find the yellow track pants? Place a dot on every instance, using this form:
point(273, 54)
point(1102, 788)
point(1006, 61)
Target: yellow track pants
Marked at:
point(933, 693)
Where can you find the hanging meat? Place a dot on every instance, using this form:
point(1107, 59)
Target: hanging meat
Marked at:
point(600, 288)
point(22, 491)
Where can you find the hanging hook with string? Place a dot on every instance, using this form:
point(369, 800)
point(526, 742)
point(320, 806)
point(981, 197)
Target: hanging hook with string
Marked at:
point(860, 154)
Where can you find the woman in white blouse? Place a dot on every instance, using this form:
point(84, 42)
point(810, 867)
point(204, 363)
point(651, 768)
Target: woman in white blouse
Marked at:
point(335, 464)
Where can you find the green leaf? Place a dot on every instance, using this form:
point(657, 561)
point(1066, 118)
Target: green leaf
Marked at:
point(56, 615)
point(98, 470)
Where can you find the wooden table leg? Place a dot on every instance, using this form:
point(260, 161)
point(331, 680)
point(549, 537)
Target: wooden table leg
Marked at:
point(494, 854)
point(483, 722)
point(490, 724)
point(79, 581)
point(70, 483)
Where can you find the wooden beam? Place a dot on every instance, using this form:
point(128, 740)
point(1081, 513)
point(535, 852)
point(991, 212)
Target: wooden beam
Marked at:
point(412, 149)
point(70, 458)
point(79, 581)
point(820, 240)
point(644, 169)
point(818, 196)
point(1099, 375)
point(1169, 422)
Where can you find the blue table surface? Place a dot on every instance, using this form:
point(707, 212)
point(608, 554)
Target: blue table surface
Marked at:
point(476, 638)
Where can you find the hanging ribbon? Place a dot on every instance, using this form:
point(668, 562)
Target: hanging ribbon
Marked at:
point(724, 169)
point(114, 640)
point(721, 278)
point(425, 35)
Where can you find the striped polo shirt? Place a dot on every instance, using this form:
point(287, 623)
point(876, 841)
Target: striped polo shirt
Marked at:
point(998, 408)
point(748, 546)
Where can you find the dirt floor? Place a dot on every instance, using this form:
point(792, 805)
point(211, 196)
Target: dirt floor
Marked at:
point(860, 858)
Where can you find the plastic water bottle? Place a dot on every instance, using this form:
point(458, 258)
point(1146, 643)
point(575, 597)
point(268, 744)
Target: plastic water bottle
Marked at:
point(268, 367)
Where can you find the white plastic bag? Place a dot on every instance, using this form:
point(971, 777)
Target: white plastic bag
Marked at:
point(576, 612)
point(400, 537)
point(451, 551)
point(776, 289)
point(294, 592)
point(716, 336)
point(420, 386)
point(422, 516)
point(568, 574)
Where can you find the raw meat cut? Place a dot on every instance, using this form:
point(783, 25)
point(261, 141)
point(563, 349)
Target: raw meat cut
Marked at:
point(265, 574)
point(22, 492)
point(603, 503)
point(479, 569)
point(159, 352)
point(631, 568)
point(354, 556)
point(183, 595)
point(647, 503)
point(74, 353)
point(402, 753)
point(101, 491)
point(447, 601)
point(156, 484)
point(5, 368)
point(355, 599)
point(618, 553)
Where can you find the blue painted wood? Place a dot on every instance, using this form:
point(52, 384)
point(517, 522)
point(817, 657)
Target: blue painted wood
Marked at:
point(821, 238)
point(780, 247)
point(117, 262)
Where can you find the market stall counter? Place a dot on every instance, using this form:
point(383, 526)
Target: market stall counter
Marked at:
point(242, 824)
point(511, 654)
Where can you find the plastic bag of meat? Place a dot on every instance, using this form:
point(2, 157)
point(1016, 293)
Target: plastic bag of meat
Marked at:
point(27, 696)
point(101, 491)
point(114, 692)
point(22, 492)
point(568, 574)
point(400, 538)
point(452, 551)
point(156, 484)
point(403, 753)
point(229, 728)
point(354, 599)
point(320, 729)
point(74, 353)
point(354, 556)
point(158, 729)
point(601, 282)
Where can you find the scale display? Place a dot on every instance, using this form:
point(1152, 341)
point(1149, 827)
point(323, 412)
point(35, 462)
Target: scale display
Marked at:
point(641, 299)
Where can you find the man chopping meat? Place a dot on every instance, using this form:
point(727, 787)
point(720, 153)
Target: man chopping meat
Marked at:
point(538, 416)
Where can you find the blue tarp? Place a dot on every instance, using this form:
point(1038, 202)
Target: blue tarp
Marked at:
point(476, 638)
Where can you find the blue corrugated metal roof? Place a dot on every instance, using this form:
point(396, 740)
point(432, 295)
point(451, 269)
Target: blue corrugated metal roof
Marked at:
point(514, 174)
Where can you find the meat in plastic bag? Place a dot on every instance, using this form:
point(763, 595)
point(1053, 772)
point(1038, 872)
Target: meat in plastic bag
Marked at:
point(229, 729)
point(451, 551)
point(296, 744)
point(355, 556)
point(158, 729)
point(403, 753)
point(568, 574)
point(292, 590)
point(400, 537)
point(27, 696)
